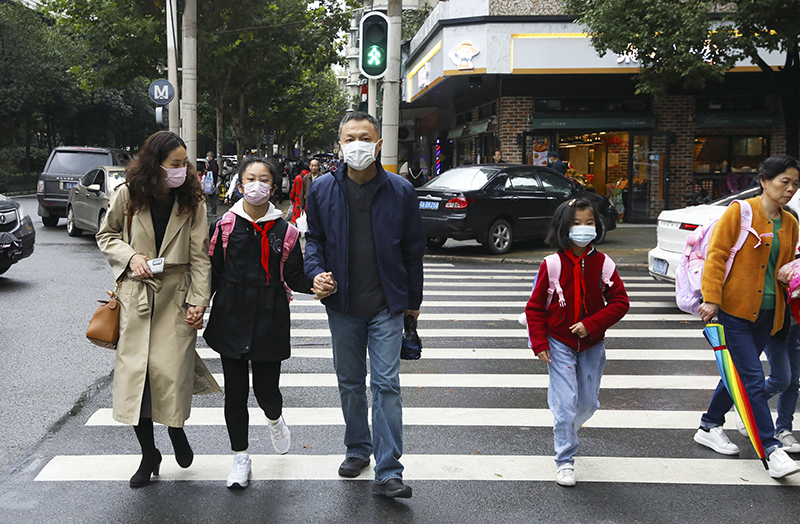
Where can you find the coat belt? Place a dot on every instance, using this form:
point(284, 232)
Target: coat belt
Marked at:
point(153, 283)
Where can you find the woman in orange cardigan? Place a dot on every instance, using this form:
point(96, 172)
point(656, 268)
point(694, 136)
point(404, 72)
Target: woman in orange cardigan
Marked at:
point(751, 303)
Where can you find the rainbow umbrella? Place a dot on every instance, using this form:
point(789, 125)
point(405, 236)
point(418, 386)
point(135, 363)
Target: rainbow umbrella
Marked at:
point(715, 334)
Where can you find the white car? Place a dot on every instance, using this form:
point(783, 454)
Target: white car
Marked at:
point(674, 226)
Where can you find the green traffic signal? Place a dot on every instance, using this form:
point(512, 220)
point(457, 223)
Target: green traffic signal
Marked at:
point(374, 43)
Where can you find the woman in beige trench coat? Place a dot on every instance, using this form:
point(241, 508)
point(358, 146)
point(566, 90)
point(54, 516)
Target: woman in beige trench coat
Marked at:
point(159, 314)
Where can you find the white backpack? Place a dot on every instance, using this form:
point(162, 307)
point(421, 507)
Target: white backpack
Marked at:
point(554, 286)
point(689, 273)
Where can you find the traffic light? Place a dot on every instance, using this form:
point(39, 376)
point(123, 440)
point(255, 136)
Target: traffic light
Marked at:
point(374, 44)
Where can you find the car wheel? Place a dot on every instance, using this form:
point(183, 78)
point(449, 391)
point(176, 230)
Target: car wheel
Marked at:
point(603, 230)
point(72, 230)
point(51, 221)
point(100, 220)
point(436, 243)
point(499, 238)
point(4, 268)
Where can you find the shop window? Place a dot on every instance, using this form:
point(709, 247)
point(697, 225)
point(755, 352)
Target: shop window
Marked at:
point(730, 104)
point(599, 105)
point(487, 110)
point(726, 154)
point(463, 118)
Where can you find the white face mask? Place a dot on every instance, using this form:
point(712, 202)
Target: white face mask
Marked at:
point(582, 235)
point(359, 154)
point(256, 192)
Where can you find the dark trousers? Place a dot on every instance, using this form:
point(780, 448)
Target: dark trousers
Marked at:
point(266, 376)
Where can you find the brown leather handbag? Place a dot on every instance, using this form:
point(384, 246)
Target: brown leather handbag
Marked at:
point(104, 327)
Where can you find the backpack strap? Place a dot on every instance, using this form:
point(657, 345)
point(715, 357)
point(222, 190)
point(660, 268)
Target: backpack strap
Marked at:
point(553, 275)
point(289, 241)
point(225, 225)
point(608, 270)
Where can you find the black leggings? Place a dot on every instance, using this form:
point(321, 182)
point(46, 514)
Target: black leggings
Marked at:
point(237, 390)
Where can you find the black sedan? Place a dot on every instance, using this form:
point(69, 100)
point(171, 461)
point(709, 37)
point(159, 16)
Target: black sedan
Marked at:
point(497, 204)
point(16, 233)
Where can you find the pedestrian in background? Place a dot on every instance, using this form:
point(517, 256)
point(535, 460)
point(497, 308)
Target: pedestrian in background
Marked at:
point(497, 157)
point(555, 162)
point(415, 174)
point(365, 244)
point(751, 303)
point(296, 193)
point(159, 315)
point(308, 178)
point(211, 198)
point(249, 323)
point(567, 329)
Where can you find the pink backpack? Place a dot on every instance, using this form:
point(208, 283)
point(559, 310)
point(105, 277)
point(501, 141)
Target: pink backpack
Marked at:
point(554, 286)
point(689, 273)
point(225, 225)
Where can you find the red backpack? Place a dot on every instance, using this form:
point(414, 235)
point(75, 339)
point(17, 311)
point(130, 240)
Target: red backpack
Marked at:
point(225, 225)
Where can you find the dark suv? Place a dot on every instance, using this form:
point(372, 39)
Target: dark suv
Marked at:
point(16, 233)
point(64, 168)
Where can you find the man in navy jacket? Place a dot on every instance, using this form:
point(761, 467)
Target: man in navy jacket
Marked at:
point(365, 242)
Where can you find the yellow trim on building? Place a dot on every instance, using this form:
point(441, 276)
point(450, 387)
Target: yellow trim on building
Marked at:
point(456, 72)
point(425, 59)
point(425, 89)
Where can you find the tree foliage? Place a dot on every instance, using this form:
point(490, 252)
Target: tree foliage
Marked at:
point(689, 43)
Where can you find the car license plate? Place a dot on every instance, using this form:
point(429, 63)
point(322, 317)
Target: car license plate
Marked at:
point(66, 186)
point(427, 204)
point(660, 266)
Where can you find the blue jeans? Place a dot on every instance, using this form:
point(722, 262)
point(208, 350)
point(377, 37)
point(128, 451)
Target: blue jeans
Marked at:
point(573, 393)
point(351, 335)
point(784, 376)
point(746, 340)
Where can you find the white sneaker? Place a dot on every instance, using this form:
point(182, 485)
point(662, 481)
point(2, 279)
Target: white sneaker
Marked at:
point(241, 472)
point(565, 476)
point(280, 435)
point(739, 423)
point(780, 465)
point(716, 439)
point(787, 440)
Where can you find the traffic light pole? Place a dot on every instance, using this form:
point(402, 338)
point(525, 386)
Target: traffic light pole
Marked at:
point(172, 66)
point(391, 89)
point(372, 97)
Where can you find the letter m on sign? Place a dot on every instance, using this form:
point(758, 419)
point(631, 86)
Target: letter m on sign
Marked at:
point(161, 92)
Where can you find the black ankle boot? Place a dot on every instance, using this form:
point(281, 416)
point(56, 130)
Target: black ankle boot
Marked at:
point(150, 464)
point(183, 451)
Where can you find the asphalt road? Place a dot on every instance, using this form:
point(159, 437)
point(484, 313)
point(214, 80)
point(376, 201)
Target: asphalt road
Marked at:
point(477, 436)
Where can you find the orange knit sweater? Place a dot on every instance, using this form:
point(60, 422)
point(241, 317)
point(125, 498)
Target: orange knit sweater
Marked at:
point(740, 295)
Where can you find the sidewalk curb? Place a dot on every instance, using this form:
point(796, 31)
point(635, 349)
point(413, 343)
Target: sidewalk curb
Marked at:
point(490, 260)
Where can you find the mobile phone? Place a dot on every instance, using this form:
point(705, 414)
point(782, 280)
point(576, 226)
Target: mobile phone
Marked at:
point(156, 265)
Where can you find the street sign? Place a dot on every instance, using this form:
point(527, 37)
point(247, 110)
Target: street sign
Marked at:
point(374, 44)
point(161, 92)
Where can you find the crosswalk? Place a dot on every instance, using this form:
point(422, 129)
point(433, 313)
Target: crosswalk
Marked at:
point(476, 376)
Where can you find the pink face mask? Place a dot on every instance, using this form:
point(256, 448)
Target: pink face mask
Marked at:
point(256, 193)
point(175, 177)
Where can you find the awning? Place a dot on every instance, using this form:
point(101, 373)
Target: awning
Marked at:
point(604, 123)
point(455, 132)
point(478, 127)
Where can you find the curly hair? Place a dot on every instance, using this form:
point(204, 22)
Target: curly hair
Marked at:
point(145, 176)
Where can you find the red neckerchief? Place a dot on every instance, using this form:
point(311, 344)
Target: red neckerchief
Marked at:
point(264, 244)
point(579, 281)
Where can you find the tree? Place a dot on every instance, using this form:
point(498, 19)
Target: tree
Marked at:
point(689, 43)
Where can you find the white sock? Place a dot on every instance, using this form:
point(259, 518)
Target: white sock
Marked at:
point(273, 422)
point(240, 452)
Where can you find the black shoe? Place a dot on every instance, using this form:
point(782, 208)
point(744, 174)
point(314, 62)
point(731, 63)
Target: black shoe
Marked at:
point(352, 466)
point(392, 488)
point(183, 451)
point(150, 465)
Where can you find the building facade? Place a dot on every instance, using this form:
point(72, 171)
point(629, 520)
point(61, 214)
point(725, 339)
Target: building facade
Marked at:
point(482, 75)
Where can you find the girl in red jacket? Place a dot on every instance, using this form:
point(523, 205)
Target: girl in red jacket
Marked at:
point(567, 320)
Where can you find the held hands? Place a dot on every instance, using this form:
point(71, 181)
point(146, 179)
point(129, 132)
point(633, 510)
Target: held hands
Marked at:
point(324, 285)
point(138, 265)
point(785, 274)
point(708, 311)
point(194, 316)
point(577, 329)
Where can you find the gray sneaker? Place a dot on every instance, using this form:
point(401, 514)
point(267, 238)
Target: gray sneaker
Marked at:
point(241, 472)
point(788, 442)
point(280, 435)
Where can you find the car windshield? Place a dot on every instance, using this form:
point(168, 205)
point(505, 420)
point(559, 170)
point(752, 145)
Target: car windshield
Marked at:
point(462, 179)
point(750, 192)
point(115, 178)
point(76, 161)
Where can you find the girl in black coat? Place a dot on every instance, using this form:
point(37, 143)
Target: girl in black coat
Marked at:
point(249, 320)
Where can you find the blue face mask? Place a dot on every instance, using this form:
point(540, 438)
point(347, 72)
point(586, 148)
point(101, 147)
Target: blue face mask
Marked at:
point(582, 235)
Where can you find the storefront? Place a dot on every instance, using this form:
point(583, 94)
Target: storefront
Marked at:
point(531, 87)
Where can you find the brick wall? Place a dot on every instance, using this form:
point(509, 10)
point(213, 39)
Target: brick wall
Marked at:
point(674, 114)
point(512, 115)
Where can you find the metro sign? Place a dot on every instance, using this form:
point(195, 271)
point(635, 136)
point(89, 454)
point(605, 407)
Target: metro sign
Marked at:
point(161, 92)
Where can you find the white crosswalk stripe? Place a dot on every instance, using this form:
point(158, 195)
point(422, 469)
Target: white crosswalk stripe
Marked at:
point(475, 348)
